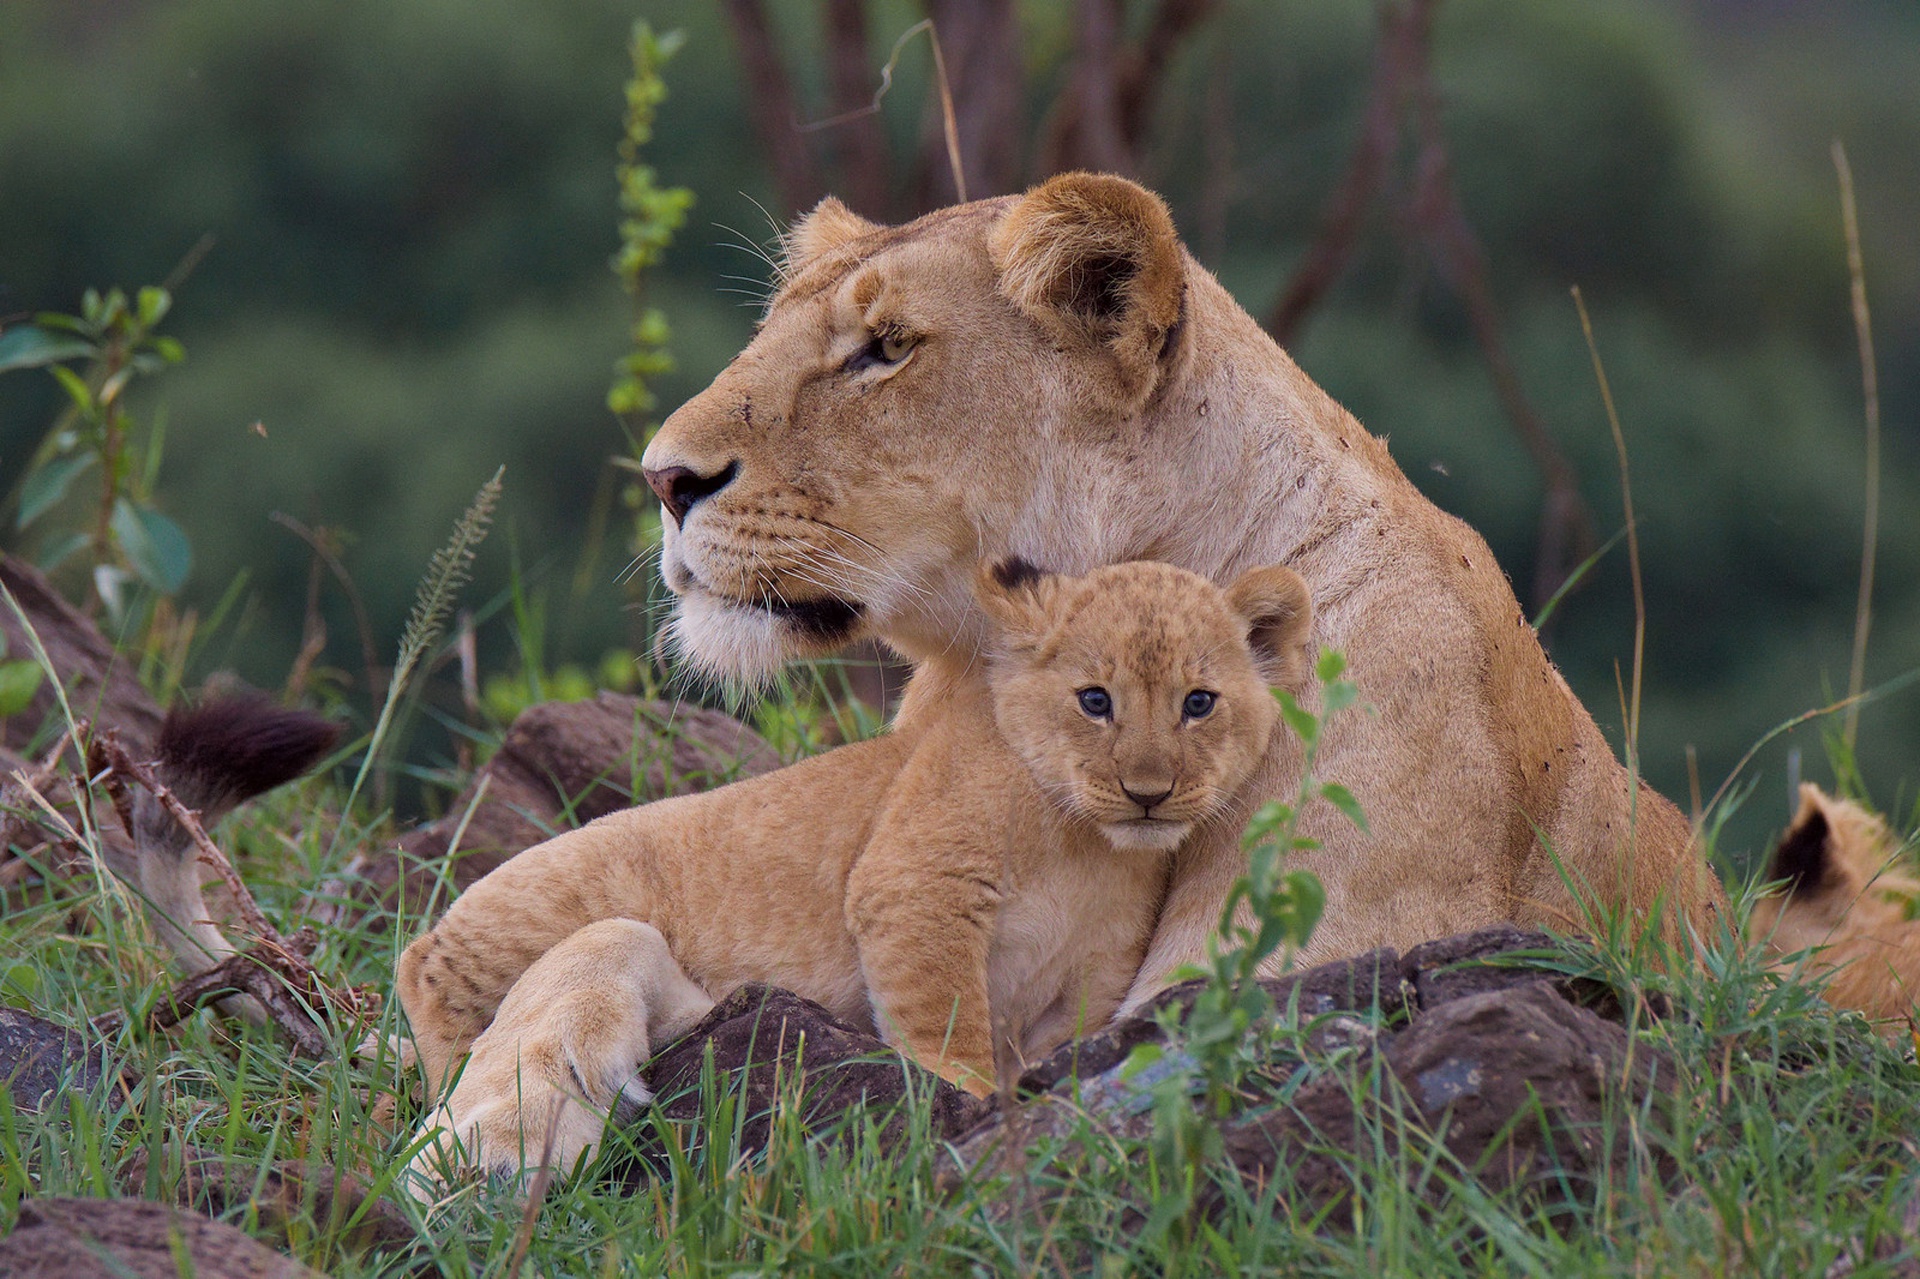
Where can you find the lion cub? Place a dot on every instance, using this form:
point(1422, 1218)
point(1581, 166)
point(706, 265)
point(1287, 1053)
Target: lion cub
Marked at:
point(1846, 900)
point(976, 889)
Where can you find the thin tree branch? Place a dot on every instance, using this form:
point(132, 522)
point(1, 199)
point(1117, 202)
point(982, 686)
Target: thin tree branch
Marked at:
point(980, 46)
point(1143, 68)
point(1396, 57)
point(775, 115)
point(1566, 525)
point(864, 165)
point(275, 971)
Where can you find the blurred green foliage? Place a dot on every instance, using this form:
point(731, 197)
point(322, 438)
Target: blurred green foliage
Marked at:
point(414, 204)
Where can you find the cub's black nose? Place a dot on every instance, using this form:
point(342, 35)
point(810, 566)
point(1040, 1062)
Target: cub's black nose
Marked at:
point(679, 487)
point(1145, 801)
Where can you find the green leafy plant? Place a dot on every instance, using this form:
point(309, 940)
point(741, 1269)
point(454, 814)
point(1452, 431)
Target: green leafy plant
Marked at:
point(649, 215)
point(1270, 911)
point(113, 341)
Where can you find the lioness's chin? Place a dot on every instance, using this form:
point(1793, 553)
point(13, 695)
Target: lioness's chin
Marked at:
point(1146, 834)
point(748, 643)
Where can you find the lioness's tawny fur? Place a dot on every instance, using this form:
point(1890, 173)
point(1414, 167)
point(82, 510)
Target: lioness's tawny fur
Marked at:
point(977, 885)
point(1050, 375)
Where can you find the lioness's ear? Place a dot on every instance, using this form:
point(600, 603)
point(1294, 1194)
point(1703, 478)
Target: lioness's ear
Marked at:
point(830, 225)
point(1094, 257)
point(1274, 604)
point(1013, 592)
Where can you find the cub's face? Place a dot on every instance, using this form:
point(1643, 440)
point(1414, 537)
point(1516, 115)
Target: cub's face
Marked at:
point(1138, 695)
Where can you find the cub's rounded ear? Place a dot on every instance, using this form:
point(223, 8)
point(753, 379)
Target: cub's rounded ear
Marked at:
point(1804, 857)
point(1013, 591)
point(1094, 258)
point(830, 225)
point(1278, 612)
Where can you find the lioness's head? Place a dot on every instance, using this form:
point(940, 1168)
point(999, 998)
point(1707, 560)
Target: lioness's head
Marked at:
point(1138, 694)
point(918, 400)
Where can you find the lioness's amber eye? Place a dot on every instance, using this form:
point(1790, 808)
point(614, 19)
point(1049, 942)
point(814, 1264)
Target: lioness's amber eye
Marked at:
point(1095, 702)
point(889, 347)
point(1199, 704)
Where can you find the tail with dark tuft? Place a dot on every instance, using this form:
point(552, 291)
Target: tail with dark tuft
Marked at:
point(211, 757)
point(222, 753)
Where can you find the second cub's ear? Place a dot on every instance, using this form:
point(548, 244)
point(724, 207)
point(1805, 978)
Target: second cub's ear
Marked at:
point(830, 225)
point(1094, 258)
point(1278, 612)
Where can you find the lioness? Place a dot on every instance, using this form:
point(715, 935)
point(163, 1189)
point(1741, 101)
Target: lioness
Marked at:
point(995, 865)
point(1052, 376)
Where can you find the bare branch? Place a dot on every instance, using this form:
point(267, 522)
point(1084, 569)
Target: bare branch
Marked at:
point(864, 166)
point(774, 110)
point(276, 971)
point(292, 994)
point(980, 44)
point(1396, 58)
point(1143, 68)
point(1566, 525)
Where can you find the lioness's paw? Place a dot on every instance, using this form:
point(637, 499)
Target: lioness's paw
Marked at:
point(537, 1090)
point(563, 1053)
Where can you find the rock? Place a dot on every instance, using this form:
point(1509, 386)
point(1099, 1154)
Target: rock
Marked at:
point(99, 684)
point(1522, 1088)
point(562, 765)
point(89, 1238)
point(287, 1197)
point(1470, 964)
point(41, 1061)
point(769, 1045)
point(1372, 982)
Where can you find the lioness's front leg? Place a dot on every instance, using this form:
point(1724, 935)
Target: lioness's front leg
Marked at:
point(564, 1049)
point(453, 979)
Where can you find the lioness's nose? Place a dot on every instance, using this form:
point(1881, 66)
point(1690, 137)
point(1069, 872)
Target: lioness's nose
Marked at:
point(1145, 801)
point(679, 487)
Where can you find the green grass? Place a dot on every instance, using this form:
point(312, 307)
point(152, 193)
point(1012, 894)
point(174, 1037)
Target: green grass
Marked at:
point(1790, 1133)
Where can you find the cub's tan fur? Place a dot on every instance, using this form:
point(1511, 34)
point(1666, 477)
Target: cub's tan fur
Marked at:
point(1052, 376)
point(1846, 901)
point(977, 885)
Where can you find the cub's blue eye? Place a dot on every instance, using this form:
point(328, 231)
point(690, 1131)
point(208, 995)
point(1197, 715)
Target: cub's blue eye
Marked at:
point(1199, 704)
point(1096, 702)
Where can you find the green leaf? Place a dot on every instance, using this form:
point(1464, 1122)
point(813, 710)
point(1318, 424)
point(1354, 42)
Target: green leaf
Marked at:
point(27, 346)
point(153, 306)
point(76, 387)
point(1342, 798)
point(157, 548)
point(56, 552)
point(46, 485)
point(20, 981)
point(1331, 665)
point(19, 681)
point(1302, 722)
